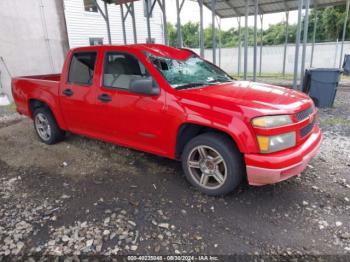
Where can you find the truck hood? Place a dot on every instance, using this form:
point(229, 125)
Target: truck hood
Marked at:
point(264, 98)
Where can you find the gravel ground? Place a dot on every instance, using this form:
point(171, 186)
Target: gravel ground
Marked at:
point(84, 197)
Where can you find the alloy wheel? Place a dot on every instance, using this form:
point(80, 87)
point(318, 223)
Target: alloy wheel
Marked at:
point(42, 126)
point(207, 167)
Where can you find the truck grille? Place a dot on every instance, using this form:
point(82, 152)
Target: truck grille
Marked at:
point(307, 129)
point(304, 114)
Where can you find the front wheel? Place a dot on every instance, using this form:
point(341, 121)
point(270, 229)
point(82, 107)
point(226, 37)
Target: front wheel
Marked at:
point(213, 164)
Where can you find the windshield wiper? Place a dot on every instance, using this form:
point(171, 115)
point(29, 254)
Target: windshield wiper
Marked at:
point(189, 85)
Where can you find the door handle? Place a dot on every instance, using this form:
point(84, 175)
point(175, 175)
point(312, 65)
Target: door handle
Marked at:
point(68, 92)
point(105, 98)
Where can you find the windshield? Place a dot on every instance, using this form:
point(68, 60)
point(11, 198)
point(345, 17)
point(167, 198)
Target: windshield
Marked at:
point(189, 73)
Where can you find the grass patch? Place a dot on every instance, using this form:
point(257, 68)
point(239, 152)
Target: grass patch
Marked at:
point(335, 121)
point(344, 77)
point(11, 107)
point(264, 76)
point(276, 76)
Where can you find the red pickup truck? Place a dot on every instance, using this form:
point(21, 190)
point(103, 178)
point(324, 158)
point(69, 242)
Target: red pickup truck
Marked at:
point(172, 103)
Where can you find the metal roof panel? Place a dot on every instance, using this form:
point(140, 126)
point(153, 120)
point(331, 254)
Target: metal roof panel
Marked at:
point(234, 8)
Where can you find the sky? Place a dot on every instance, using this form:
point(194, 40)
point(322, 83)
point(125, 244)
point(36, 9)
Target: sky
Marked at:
point(190, 12)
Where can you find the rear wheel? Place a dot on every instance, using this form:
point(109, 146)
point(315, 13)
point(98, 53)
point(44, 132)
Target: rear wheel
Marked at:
point(46, 127)
point(213, 164)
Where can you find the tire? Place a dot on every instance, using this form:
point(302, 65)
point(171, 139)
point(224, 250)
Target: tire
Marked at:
point(203, 167)
point(44, 121)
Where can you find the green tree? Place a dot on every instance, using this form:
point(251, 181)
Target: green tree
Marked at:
point(208, 37)
point(330, 21)
point(171, 34)
point(276, 34)
point(190, 35)
point(229, 38)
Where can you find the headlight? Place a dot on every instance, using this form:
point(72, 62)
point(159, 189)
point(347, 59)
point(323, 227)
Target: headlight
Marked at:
point(269, 144)
point(272, 121)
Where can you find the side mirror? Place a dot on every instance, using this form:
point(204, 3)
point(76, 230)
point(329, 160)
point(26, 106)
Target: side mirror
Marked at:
point(146, 86)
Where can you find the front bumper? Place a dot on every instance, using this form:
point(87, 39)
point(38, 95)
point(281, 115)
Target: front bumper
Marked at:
point(269, 169)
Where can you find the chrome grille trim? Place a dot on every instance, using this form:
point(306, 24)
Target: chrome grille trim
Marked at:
point(304, 114)
point(307, 129)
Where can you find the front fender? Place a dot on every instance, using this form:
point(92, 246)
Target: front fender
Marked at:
point(235, 127)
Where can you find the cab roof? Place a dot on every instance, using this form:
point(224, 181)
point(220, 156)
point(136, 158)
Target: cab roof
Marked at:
point(155, 49)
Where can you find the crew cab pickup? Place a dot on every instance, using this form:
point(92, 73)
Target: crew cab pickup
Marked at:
point(173, 103)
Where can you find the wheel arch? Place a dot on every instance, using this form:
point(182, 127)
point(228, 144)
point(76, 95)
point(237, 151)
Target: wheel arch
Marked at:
point(34, 103)
point(189, 130)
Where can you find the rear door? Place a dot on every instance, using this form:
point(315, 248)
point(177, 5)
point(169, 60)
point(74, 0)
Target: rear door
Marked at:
point(77, 95)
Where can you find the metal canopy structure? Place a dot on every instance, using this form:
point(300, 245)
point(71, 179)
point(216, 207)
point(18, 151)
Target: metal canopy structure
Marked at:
point(130, 10)
point(236, 8)
point(239, 8)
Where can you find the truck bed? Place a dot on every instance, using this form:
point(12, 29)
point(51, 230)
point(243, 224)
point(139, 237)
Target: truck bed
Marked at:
point(24, 87)
point(51, 77)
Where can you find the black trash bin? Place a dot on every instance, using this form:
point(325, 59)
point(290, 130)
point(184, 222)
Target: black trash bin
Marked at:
point(321, 85)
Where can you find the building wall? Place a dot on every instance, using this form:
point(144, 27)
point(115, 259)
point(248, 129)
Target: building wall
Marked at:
point(326, 55)
point(82, 25)
point(25, 45)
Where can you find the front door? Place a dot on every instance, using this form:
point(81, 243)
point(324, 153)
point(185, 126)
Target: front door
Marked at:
point(129, 118)
point(77, 95)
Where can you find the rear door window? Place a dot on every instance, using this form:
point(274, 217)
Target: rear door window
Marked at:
point(82, 66)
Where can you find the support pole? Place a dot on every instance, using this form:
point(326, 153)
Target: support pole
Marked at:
point(147, 2)
point(344, 33)
point(107, 24)
point(106, 18)
point(133, 21)
point(261, 42)
point(255, 54)
point(219, 26)
point(178, 24)
point(306, 26)
point(314, 33)
point(213, 29)
point(130, 10)
point(245, 41)
point(297, 44)
point(166, 41)
point(239, 47)
point(201, 32)
point(123, 23)
point(285, 44)
point(336, 53)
